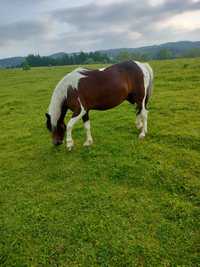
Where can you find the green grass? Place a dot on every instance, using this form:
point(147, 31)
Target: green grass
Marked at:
point(120, 203)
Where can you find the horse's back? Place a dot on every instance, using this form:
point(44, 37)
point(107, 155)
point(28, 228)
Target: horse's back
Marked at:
point(107, 88)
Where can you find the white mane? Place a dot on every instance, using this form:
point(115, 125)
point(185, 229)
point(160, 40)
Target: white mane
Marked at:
point(60, 93)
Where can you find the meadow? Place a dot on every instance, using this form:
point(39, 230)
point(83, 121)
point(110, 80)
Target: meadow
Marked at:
point(122, 202)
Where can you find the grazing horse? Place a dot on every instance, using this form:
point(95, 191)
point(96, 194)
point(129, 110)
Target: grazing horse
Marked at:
point(83, 90)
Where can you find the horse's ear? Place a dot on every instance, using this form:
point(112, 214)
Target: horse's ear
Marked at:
point(47, 116)
point(48, 123)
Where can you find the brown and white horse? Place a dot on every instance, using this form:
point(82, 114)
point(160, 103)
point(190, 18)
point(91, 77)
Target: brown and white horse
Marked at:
point(83, 90)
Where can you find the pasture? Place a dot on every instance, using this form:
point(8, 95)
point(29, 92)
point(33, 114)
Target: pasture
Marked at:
point(122, 202)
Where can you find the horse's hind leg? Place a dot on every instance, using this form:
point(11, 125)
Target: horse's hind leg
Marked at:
point(138, 121)
point(86, 121)
point(79, 113)
point(141, 119)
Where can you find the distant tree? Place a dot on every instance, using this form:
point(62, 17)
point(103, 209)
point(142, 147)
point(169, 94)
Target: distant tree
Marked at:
point(89, 61)
point(76, 58)
point(164, 54)
point(140, 57)
point(33, 60)
point(82, 57)
point(194, 52)
point(123, 56)
point(25, 65)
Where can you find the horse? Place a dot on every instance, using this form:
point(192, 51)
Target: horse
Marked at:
point(84, 89)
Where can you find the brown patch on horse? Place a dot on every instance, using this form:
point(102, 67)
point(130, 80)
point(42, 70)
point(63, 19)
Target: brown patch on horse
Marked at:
point(106, 89)
point(48, 122)
point(72, 101)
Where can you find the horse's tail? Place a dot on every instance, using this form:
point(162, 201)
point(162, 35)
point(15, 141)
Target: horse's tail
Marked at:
point(150, 86)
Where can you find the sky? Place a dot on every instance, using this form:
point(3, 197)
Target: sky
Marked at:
point(49, 26)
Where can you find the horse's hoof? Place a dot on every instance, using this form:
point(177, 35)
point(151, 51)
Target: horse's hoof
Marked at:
point(139, 125)
point(88, 143)
point(141, 136)
point(70, 145)
point(70, 148)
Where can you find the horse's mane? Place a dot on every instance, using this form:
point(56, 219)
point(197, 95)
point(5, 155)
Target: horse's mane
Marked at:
point(92, 73)
point(88, 72)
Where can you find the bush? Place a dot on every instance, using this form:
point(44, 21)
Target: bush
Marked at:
point(25, 65)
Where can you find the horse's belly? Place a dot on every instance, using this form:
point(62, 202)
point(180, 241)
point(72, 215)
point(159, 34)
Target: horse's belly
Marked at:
point(108, 99)
point(106, 104)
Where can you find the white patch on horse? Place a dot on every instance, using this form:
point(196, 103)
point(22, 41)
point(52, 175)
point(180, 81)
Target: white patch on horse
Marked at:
point(89, 140)
point(102, 69)
point(147, 78)
point(70, 125)
point(60, 93)
point(141, 120)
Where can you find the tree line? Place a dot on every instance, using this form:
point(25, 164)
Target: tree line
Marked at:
point(67, 59)
point(99, 58)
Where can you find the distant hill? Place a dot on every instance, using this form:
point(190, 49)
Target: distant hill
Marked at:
point(58, 55)
point(11, 62)
point(177, 49)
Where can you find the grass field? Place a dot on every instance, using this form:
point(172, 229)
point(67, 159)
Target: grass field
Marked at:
point(122, 202)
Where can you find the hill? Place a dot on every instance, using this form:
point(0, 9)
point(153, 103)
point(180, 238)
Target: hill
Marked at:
point(58, 55)
point(11, 62)
point(177, 49)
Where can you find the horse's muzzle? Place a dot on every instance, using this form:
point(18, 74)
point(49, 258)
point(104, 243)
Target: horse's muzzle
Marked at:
point(57, 143)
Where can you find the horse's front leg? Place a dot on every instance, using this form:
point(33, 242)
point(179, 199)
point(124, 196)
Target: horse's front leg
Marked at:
point(75, 117)
point(89, 139)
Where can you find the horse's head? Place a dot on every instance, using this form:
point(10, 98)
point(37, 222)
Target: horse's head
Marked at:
point(57, 132)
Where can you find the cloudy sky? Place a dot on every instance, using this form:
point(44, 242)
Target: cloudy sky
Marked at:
point(49, 26)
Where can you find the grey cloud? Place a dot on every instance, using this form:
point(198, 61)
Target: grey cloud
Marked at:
point(92, 15)
point(111, 25)
point(21, 2)
point(127, 12)
point(22, 31)
point(129, 23)
point(95, 40)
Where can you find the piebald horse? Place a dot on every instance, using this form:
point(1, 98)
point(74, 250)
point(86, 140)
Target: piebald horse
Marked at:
point(83, 90)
